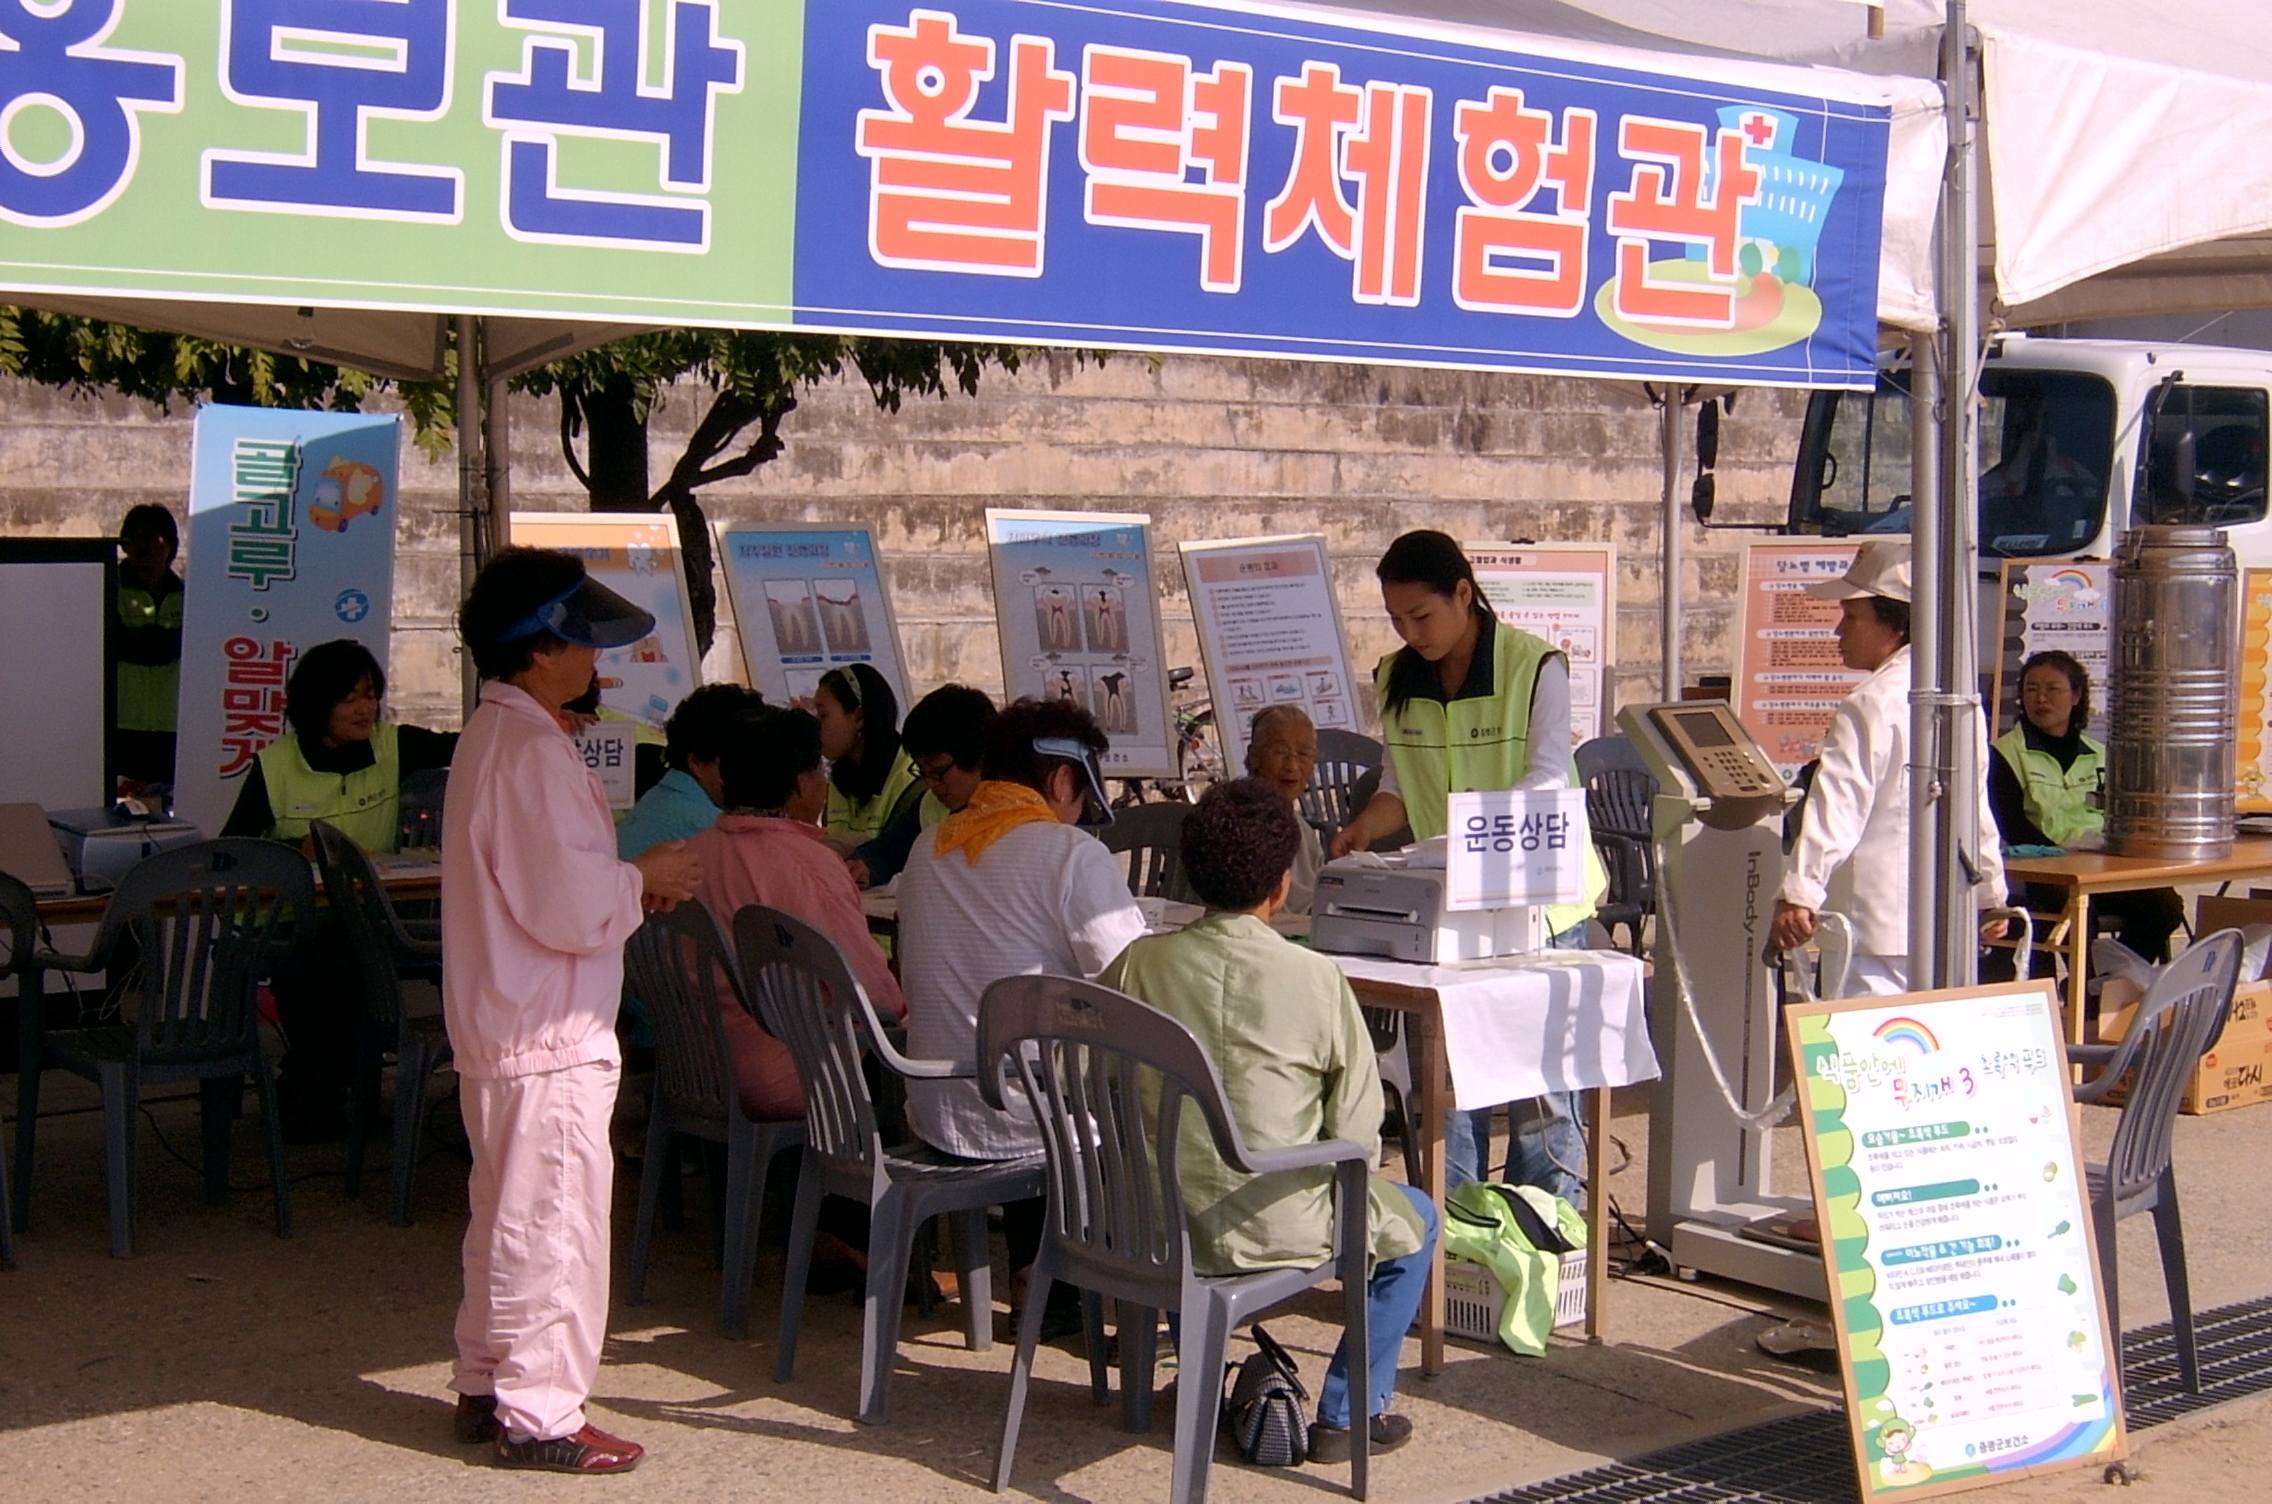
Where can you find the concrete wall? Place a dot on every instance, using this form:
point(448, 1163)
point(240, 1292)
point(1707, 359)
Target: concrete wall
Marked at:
point(1211, 448)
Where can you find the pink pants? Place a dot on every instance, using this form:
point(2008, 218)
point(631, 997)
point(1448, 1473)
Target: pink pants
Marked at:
point(536, 1251)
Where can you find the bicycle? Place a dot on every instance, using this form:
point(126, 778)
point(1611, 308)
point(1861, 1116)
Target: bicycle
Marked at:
point(1197, 767)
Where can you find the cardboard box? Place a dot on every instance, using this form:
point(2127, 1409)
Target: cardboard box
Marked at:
point(2211, 914)
point(2237, 1070)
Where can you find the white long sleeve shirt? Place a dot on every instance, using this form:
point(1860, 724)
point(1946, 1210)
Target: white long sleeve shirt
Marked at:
point(1853, 850)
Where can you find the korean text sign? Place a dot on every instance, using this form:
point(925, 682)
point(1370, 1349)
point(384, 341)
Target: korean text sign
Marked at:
point(2253, 790)
point(291, 543)
point(1270, 633)
point(2068, 607)
point(1790, 679)
point(809, 597)
point(636, 555)
point(1565, 593)
point(1947, 1166)
point(1516, 846)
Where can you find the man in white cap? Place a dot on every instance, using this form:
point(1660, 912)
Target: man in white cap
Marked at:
point(1853, 849)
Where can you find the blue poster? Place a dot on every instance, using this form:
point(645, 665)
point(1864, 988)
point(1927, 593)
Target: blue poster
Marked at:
point(809, 597)
point(291, 543)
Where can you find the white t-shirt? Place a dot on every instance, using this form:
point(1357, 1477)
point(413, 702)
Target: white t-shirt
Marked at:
point(1043, 898)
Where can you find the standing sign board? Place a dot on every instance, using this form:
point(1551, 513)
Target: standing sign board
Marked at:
point(636, 555)
point(2253, 789)
point(1269, 633)
point(2068, 606)
point(1789, 678)
point(1946, 1155)
point(1567, 594)
point(291, 543)
point(1075, 608)
point(809, 597)
point(1515, 846)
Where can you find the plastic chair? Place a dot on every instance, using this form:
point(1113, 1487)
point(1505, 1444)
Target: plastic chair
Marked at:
point(387, 950)
point(193, 931)
point(683, 972)
point(1150, 838)
point(1085, 1055)
point(2178, 1019)
point(1606, 752)
point(1386, 1026)
point(1343, 758)
point(19, 913)
point(419, 809)
point(808, 998)
point(1619, 809)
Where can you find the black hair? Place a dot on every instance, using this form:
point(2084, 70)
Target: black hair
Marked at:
point(515, 582)
point(702, 721)
point(1238, 841)
point(2078, 680)
point(1008, 755)
point(149, 517)
point(855, 686)
point(1893, 615)
point(766, 751)
point(1426, 557)
point(950, 719)
point(326, 674)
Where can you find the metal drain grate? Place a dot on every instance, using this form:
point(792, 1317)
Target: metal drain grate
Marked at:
point(1806, 1459)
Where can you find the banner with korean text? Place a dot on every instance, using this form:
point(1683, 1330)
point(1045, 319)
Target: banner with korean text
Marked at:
point(1565, 593)
point(1790, 679)
point(291, 543)
point(1145, 174)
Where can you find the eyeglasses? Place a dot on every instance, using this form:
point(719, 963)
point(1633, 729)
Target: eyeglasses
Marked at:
point(935, 768)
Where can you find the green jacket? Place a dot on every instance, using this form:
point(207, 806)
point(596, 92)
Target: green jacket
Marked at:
point(2059, 800)
point(365, 805)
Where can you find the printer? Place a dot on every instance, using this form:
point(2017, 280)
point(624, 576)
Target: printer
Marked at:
point(1373, 906)
point(102, 843)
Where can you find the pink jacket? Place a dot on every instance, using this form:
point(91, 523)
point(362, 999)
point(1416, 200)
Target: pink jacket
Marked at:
point(535, 904)
point(783, 864)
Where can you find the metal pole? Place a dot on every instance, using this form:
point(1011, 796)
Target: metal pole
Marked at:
point(1924, 645)
point(497, 451)
point(1670, 408)
point(472, 547)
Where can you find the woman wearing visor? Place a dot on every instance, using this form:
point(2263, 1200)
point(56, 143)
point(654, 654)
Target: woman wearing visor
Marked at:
point(535, 909)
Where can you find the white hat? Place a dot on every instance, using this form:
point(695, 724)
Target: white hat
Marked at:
point(1881, 568)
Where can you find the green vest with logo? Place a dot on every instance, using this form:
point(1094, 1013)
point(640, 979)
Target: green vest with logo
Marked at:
point(366, 804)
point(147, 691)
point(1440, 747)
point(2061, 801)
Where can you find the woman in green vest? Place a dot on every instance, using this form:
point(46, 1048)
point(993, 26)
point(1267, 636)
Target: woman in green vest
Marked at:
point(149, 645)
point(868, 774)
point(1469, 703)
point(2046, 787)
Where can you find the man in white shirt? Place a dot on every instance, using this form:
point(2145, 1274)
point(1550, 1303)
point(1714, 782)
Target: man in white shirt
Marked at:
point(1853, 850)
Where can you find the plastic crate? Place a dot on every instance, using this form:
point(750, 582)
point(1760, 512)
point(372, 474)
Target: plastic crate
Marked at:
point(1472, 1298)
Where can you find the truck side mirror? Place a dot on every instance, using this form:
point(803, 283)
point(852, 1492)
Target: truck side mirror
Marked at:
point(1703, 495)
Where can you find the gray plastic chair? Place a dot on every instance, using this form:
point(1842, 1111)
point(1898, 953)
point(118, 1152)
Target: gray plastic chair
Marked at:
point(1084, 1055)
point(1343, 759)
point(193, 932)
point(1149, 839)
point(387, 950)
point(683, 972)
point(419, 809)
point(2179, 1018)
point(808, 998)
point(19, 914)
point(1606, 752)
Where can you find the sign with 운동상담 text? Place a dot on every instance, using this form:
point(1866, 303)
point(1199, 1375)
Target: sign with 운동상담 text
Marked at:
point(1509, 847)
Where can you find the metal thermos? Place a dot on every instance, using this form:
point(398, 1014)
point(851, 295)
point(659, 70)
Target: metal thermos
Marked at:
point(2175, 695)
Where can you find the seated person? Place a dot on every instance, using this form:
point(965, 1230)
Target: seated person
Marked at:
point(1007, 887)
point(859, 735)
point(767, 848)
point(942, 740)
point(1298, 1067)
point(1281, 750)
point(684, 802)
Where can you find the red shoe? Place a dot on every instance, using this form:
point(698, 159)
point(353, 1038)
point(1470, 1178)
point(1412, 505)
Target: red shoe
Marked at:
point(590, 1450)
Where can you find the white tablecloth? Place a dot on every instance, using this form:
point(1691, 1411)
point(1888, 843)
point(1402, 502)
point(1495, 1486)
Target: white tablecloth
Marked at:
point(1520, 1027)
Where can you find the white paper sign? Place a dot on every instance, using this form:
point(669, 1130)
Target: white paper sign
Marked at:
point(1516, 846)
point(1269, 632)
point(608, 751)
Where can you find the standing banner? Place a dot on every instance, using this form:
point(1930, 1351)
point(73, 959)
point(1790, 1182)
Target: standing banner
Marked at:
point(809, 597)
point(1270, 633)
point(2068, 606)
point(1947, 1160)
point(1567, 594)
point(636, 555)
point(2252, 790)
point(1077, 613)
point(1789, 678)
point(291, 543)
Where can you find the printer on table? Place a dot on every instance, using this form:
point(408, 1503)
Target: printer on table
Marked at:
point(1369, 904)
point(101, 844)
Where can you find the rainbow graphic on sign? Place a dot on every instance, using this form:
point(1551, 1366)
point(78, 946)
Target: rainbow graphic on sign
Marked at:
point(1909, 1032)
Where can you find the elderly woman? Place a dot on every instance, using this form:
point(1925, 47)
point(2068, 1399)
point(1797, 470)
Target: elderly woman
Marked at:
point(1281, 750)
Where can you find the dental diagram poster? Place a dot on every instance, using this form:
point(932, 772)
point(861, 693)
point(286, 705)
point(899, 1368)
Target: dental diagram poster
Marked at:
point(1074, 605)
point(636, 555)
point(809, 597)
point(1565, 593)
point(1942, 1139)
point(1269, 633)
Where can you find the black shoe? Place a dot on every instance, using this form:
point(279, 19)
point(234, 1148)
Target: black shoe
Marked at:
point(1329, 1445)
point(476, 1420)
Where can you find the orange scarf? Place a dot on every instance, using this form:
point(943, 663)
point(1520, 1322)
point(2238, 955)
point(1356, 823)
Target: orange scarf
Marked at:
point(995, 809)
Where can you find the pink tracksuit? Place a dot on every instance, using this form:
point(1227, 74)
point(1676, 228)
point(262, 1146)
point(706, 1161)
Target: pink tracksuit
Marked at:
point(535, 910)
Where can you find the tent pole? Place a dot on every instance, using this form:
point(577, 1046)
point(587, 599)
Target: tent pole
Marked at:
point(1925, 409)
point(497, 451)
point(472, 546)
point(1671, 406)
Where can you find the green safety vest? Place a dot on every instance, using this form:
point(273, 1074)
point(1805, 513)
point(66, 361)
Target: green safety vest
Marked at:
point(2061, 801)
point(1471, 745)
point(147, 692)
point(366, 805)
point(1481, 1227)
point(868, 817)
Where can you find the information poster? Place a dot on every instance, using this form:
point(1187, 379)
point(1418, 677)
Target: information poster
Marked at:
point(2066, 606)
point(809, 597)
point(1270, 633)
point(2253, 788)
point(1567, 594)
point(636, 555)
point(1942, 1138)
point(291, 544)
point(1074, 604)
point(1789, 677)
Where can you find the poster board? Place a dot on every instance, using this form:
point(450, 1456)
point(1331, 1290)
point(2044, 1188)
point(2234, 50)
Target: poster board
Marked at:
point(1946, 1157)
point(1567, 594)
point(2068, 606)
point(636, 555)
point(1077, 612)
point(1789, 678)
point(58, 703)
point(1269, 633)
point(2252, 790)
point(809, 597)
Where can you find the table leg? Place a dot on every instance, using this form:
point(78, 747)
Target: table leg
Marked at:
point(1597, 1210)
point(1431, 1082)
point(2078, 962)
point(31, 1023)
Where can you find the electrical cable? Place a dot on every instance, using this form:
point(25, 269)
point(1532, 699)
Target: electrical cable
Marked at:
point(1779, 1107)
